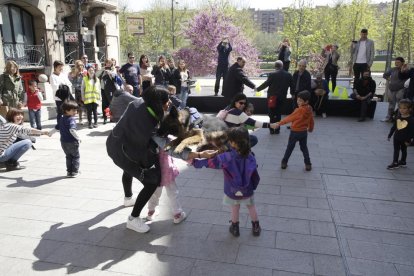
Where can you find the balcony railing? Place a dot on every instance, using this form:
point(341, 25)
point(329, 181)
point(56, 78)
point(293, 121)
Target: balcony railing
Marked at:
point(25, 55)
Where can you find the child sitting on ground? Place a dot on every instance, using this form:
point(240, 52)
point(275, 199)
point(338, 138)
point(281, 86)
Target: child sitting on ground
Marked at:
point(403, 131)
point(240, 177)
point(69, 138)
point(302, 122)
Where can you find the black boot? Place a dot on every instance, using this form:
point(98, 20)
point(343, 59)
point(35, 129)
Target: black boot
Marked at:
point(256, 228)
point(234, 229)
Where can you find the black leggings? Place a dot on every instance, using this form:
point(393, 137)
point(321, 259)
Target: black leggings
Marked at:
point(92, 108)
point(400, 145)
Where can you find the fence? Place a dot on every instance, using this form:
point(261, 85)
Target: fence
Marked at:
point(25, 55)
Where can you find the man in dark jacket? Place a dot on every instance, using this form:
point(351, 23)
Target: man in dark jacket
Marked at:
point(301, 80)
point(120, 101)
point(223, 49)
point(407, 73)
point(278, 82)
point(364, 90)
point(235, 80)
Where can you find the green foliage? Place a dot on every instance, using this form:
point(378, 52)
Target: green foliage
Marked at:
point(267, 44)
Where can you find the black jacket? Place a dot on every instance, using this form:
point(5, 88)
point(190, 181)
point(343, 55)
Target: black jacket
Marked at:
point(364, 87)
point(223, 54)
point(162, 75)
point(108, 88)
point(176, 78)
point(235, 80)
point(406, 131)
point(305, 82)
point(278, 82)
point(405, 75)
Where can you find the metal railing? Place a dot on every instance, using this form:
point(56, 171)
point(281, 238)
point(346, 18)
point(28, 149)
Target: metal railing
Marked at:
point(71, 55)
point(25, 55)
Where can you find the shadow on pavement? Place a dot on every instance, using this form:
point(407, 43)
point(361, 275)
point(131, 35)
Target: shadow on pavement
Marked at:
point(20, 182)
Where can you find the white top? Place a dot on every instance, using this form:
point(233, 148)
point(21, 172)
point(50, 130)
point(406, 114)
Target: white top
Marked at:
point(56, 80)
point(362, 52)
point(184, 77)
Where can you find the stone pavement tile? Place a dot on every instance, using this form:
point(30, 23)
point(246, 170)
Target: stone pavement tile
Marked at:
point(370, 268)
point(405, 270)
point(22, 211)
point(307, 243)
point(328, 265)
point(398, 209)
point(15, 266)
point(362, 195)
point(27, 248)
point(321, 228)
point(61, 201)
point(331, 184)
point(303, 213)
point(99, 194)
point(69, 216)
point(318, 193)
point(84, 256)
point(318, 203)
point(201, 203)
point(285, 273)
point(212, 194)
point(203, 249)
point(287, 200)
point(376, 236)
point(142, 263)
point(382, 252)
point(24, 227)
point(410, 223)
point(25, 197)
point(299, 173)
point(290, 261)
point(368, 173)
point(285, 225)
point(367, 220)
point(101, 205)
point(213, 217)
point(268, 189)
point(81, 271)
point(396, 191)
point(347, 204)
point(221, 233)
point(189, 191)
point(207, 268)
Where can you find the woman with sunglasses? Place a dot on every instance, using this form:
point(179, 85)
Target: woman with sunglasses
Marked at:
point(237, 117)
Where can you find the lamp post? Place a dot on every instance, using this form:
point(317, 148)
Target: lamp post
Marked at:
point(172, 23)
point(81, 49)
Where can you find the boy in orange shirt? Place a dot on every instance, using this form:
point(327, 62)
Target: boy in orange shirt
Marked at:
point(302, 122)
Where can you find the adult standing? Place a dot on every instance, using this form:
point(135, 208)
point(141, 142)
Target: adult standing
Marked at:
point(223, 49)
point(76, 77)
point(133, 146)
point(131, 73)
point(278, 82)
point(108, 86)
point(363, 52)
point(11, 87)
point(284, 52)
point(120, 101)
point(58, 78)
point(407, 73)
point(161, 72)
point(181, 77)
point(235, 80)
point(91, 96)
point(10, 150)
point(364, 90)
point(302, 81)
point(145, 68)
point(395, 91)
point(330, 65)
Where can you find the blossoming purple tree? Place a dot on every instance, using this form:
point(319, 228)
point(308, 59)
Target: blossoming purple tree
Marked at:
point(205, 31)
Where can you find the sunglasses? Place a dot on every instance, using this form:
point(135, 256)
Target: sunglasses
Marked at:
point(84, 57)
point(242, 103)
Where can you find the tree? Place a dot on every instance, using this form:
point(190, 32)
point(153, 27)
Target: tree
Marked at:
point(205, 31)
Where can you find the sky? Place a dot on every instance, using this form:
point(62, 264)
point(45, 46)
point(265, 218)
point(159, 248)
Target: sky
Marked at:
point(137, 5)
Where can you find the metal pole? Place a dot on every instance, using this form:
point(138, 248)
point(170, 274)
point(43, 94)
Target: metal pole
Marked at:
point(393, 32)
point(172, 24)
point(81, 49)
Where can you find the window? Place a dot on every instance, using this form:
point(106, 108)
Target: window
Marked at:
point(17, 25)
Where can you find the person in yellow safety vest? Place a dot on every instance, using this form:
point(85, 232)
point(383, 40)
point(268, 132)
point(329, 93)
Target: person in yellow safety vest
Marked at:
point(91, 95)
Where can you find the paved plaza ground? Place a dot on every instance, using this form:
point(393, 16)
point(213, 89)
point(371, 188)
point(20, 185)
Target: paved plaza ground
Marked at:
point(348, 216)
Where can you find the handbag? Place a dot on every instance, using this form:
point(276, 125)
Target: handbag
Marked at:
point(271, 102)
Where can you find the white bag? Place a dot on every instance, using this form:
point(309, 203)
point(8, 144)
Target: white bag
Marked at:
point(407, 83)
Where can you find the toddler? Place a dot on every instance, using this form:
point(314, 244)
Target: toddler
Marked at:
point(33, 100)
point(240, 177)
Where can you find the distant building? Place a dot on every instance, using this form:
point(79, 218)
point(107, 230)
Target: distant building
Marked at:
point(269, 21)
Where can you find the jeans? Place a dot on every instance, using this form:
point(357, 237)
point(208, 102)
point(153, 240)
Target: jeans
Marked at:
point(72, 156)
point(302, 138)
point(16, 150)
point(105, 103)
point(173, 196)
point(393, 98)
point(364, 107)
point(221, 71)
point(92, 108)
point(59, 113)
point(331, 72)
point(286, 65)
point(35, 118)
point(253, 140)
point(183, 96)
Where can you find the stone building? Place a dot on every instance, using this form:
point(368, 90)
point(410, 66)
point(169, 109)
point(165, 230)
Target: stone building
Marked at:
point(269, 21)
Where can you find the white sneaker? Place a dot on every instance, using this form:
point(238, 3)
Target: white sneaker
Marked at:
point(130, 201)
point(152, 214)
point(182, 216)
point(324, 115)
point(137, 224)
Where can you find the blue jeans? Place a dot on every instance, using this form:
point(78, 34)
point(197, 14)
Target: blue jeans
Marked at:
point(16, 150)
point(72, 156)
point(302, 138)
point(35, 118)
point(183, 96)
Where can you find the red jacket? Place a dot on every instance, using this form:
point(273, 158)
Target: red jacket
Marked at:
point(301, 119)
point(33, 101)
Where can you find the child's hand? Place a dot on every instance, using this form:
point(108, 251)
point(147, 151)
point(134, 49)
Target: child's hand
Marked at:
point(208, 153)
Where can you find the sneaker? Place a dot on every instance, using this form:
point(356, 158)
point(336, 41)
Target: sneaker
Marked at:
point(90, 126)
point(234, 229)
point(137, 224)
point(2, 164)
point(324, 115)
point(13, 166)
point(402, 164)
point(130, 201)
point(361, 119)
point(75, 174)
point(69, 174)
point(272, 131)
point(179, 217)
point(393, 166)
point(283, 165)
point(105, 121)
point(95, 125)
point(308, 167)
point(256, 228)
point(152, 214)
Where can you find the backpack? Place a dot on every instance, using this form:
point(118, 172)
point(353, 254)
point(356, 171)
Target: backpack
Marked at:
point(63, 93)
point(196, 120)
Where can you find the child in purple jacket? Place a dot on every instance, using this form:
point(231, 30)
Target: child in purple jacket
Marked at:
point(240, 177)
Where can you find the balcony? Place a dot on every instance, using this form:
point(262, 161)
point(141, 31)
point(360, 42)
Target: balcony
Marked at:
point(108, 4)
point(26, 56)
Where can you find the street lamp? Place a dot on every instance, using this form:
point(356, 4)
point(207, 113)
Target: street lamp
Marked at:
point(395, 6)
point(172, 22)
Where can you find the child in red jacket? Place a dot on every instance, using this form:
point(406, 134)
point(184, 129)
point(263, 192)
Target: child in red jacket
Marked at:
point(33, 100)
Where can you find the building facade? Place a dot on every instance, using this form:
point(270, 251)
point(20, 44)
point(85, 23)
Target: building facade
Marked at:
point(269, 21)
point(35, 33)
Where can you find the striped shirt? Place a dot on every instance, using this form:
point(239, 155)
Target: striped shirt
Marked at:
point(236, 117)
point(9, 133)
